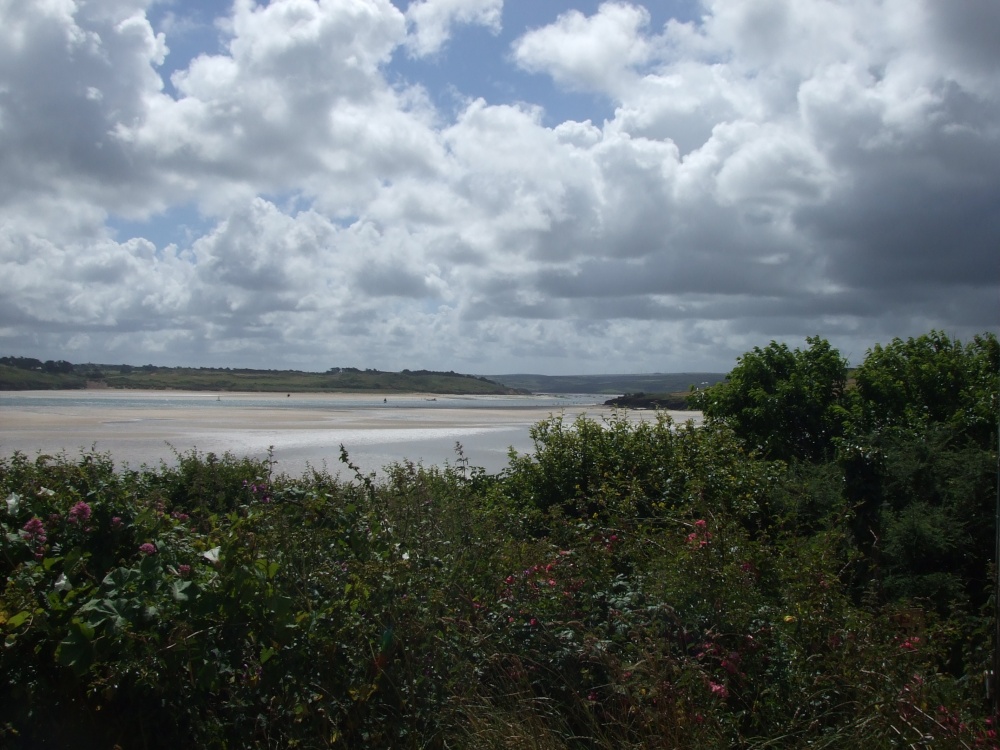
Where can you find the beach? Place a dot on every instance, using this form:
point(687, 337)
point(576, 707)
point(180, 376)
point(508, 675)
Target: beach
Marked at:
point(301, 430)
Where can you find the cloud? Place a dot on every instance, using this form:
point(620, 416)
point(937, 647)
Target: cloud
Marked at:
point(597, 53)
point(432, 21)
point(69, 73)
point(771, 169)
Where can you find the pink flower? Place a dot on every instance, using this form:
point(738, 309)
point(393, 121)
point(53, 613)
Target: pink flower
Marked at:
point(79, 513)
point(34, 531)
point(719, 690)
point(533, 622)
point(700, 523)
point(184, 571)
point(116, 522)
point(147, 548)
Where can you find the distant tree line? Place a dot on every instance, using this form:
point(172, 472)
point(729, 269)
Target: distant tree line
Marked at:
point(60, 366)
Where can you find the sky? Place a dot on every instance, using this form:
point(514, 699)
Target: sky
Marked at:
point(494, 186)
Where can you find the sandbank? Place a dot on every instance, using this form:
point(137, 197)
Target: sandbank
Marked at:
point(302, 430)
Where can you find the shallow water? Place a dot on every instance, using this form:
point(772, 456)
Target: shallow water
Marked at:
point(301, 430)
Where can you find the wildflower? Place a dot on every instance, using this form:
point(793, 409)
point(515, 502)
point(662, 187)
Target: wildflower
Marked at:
point(116, 522)
point(13, 503)
point(183, 570)
point(34, 531)
point(178, 516)
point(79, 513)
point(533, 622)
point(719, 690)
point(62, 583)
point(147, 548)
point(700, 523)
point(732, 663)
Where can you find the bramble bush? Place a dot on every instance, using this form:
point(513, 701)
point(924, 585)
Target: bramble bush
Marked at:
point(628, 584)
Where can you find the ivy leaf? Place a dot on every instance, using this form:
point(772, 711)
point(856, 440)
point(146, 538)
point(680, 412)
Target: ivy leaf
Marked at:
point(75, 651)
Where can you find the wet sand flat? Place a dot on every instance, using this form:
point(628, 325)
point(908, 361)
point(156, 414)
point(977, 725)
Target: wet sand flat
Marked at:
point(302, 429)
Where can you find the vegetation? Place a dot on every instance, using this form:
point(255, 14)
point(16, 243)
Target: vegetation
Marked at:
point(654, 383)
point(24, 373)
point(624, 586)
point(675, 401)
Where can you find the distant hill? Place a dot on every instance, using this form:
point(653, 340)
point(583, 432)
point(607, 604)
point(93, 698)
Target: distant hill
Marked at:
point(22, 373)
point(25, 373)
point(658, 382)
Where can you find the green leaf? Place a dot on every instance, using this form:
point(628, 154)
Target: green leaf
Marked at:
point(75, 651)
point(17, 620)
point(266, 653)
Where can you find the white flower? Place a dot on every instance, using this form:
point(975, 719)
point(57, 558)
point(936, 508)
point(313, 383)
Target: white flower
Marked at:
point(212, 555)
point(62, 583)
point(13, 503)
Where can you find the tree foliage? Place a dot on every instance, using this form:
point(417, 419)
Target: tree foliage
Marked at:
point(787, 404)
point(928, 380)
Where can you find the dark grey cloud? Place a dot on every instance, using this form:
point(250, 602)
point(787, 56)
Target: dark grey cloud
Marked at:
point(392, 281)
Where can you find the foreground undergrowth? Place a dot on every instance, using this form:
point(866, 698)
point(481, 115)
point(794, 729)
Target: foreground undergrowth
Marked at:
point(625, 586)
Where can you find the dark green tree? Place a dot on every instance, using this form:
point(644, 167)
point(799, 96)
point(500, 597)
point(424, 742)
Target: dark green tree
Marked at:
point(919, 464)
point(931, 379)
point(786, 404)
